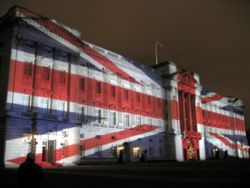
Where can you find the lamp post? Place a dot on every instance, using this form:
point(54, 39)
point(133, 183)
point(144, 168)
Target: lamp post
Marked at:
point(157, 44)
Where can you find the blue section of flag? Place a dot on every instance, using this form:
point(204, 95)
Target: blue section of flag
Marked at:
point(20, 118)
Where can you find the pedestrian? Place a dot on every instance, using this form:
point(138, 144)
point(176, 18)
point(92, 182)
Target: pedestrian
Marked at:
point(29, 173)
point(144, 156)
point(226, 154)
point(120, 158)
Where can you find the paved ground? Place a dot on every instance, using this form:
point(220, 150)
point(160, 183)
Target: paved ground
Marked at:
point(223, 173)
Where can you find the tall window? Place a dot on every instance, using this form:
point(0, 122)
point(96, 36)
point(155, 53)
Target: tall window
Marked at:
point(60, 106)
point(28, 69)
point(62, 77)
point(193, 110)
point(113, 118)
point(113, 91)
point(186, 102)
point(99, 116)
point(46, 73)
point(138, 97)
point(48, 51)
point(30, 44)
point(149, 100)
point(138, 120)
point(82, 84)
point(159, 123)
point(82, 113)
point(44, 103)
point(149, 121)
point(26, 102)
point(126, 94)
point(98, 87)
point(126, 120)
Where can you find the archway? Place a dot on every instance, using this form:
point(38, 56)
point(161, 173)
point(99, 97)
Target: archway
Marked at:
point(127, 152)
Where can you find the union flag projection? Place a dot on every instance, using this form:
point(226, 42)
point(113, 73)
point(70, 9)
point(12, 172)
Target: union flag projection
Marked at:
point(70, 101)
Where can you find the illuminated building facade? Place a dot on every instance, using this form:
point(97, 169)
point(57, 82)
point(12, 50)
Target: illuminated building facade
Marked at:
point(70, 101)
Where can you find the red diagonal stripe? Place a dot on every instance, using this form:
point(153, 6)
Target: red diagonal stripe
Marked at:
point(51, 26)
point(69, 151)
point(112, 137)
point(222, 139)
point(215, 97)
point(108, 64)
point(227, 143)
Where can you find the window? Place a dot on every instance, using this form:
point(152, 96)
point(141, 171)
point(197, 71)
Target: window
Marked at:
point(46, 73)
point(138, 97)
point(159, 123)
point(98, 87)
point(26, 102)
point(99, 115)
point(149, 121)
point(126, 94)
point(63, 56)
point(113, 118)
point(159, 102)
point(126, 120)
point(82, 84)
point(113, 91)
point(60, 106)
point(62, 76)
point(44, 104)
point(48, 51)
point(82, 113)
point(149, 100)
point(29, 44)
point(28, 69)
point(138, 120)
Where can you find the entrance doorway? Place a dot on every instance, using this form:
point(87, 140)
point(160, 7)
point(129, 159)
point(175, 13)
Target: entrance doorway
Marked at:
point(51, 151)
point(127, 152)
point(190, 149)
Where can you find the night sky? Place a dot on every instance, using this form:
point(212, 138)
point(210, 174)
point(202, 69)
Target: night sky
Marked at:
point(209, 37)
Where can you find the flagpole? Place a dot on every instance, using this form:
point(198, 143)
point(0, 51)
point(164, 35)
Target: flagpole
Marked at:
point(157, 43)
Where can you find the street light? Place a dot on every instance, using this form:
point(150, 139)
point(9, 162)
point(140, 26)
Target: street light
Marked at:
point(157, 43)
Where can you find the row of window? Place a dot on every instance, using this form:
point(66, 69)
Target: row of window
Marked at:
point(47, 51)
point(98, 87)
point(97, 113)
point(220, 120)
point(62, 79)
point(113, 119)
point(28, 72)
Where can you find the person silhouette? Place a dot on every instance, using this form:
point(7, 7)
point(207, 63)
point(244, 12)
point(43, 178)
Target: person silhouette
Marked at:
point(120, 158)
point(29, 173)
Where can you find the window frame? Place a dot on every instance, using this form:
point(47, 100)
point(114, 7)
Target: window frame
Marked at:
point(82, 84)
point(98, 87)
point(27, 69)
point(46, 73)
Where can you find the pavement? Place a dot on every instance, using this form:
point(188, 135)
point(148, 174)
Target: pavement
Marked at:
point(202, 174)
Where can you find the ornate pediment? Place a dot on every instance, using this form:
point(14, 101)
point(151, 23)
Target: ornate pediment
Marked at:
point(187, 78)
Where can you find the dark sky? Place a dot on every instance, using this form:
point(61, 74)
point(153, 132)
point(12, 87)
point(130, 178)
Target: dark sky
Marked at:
point(209, 37)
